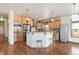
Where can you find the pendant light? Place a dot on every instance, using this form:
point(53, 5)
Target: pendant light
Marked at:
point(74, 15)
point(51, 15)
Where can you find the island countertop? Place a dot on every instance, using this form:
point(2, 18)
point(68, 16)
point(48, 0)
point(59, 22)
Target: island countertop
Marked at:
point(45, 37)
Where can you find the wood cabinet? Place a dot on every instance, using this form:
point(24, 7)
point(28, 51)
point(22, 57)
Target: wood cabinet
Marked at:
point(24, 20)
point(56, 33)
point(18, 19)
point(54, 24)
point(40, 25)
point(51, 24)
point(18, 36)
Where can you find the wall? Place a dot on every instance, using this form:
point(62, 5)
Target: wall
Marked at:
point(3, 27)
point(6, 28)
point(67, 20)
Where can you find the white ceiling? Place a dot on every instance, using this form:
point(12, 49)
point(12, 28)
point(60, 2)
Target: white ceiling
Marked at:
point(41, 10)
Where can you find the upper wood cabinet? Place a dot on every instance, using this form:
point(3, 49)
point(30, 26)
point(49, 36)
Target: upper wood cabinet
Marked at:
point(50, 23)
point(57, 23)
point(29, 21)
point(54, 24)
point(22, 19)
point(40, 25)
point(17, 19)
point(26, 20)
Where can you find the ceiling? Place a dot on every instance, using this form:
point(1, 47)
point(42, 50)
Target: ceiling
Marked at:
point(39, 10)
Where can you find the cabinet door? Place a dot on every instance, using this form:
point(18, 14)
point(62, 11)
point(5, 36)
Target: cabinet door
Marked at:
point(18, 36)
point(18, 31)
point(24, 20)
point(30, 21)
point(39, 25)
point(50, 23)
point(56, 23)
point(17, 19)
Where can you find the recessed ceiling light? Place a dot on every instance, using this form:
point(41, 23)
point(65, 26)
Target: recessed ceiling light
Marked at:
point(27, 18)
point(19, 13)
point(1, 18)
point(52, 19)
point(27, 10)
point(37, 16)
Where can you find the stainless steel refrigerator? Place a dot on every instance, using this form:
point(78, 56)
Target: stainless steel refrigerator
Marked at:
point(64, 32)
point(26, 28)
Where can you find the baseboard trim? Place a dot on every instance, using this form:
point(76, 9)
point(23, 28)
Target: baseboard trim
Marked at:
point(73, 42)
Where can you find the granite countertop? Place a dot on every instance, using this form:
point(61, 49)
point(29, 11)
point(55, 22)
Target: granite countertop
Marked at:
point(40, 32)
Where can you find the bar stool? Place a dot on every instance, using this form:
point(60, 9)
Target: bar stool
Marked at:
point(38, 41)
point(50, 40)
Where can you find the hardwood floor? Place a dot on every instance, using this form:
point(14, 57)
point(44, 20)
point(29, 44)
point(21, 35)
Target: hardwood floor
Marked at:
point(20, 48)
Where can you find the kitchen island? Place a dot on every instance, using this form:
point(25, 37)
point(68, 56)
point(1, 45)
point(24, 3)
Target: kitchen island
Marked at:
point(39, 39)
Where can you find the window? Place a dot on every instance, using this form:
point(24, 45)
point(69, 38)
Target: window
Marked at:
point(75, 27)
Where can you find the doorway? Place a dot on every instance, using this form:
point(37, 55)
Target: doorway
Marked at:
point(2, 24)
point(3, 31)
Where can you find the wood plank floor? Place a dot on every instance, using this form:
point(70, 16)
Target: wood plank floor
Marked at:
point(20, 48)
